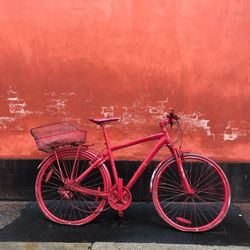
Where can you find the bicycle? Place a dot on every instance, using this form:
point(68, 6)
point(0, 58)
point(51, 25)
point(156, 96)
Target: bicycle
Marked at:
point(190, 192)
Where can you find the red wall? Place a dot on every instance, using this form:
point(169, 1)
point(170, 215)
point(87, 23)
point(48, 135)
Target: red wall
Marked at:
point(74, 59)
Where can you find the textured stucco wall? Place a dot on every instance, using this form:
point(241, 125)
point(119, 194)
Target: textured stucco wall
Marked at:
point(74, 59)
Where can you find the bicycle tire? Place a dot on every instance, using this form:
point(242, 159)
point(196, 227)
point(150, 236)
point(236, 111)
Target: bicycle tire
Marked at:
point(192, 213)
point(71, 208)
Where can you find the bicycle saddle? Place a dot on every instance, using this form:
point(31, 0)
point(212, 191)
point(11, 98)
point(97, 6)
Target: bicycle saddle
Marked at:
point(104, 120)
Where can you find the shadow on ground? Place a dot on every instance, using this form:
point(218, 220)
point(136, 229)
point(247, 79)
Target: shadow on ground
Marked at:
point(141, 223)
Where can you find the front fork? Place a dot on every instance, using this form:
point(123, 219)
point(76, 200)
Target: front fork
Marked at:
point(183, 177)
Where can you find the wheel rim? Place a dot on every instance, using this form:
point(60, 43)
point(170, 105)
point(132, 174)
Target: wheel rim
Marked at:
point(201, 211)
point(60, 204)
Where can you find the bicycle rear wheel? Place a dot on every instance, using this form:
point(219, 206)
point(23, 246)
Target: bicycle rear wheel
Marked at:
point(201, 211)
point(59, 203)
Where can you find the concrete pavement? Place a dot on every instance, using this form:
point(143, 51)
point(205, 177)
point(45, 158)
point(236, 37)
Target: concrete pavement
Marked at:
point(109, 246)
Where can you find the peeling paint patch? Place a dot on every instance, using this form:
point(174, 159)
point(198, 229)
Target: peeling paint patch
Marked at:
point(5, 121)
point(158, 109)
point(57, 102)
point(130, 117)
point(18, 128)
point(11, 91)
point(232, 133)
point(127, 117)
point(193, 121)
point(13, 99)
point(68, 93)
point(135, 114)
point(56, 105)
point(50, 93)
point(89, 98)
point(154, 110)
point(77, 120)
point(53, 94)
point(107, 111)
point(17, 106)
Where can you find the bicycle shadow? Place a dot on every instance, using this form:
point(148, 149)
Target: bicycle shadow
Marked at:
point(141, 223)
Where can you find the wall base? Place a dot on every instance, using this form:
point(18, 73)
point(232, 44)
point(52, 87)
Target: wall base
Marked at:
point(17, 179)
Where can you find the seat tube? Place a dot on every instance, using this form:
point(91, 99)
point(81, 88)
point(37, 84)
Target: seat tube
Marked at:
point(111, 159)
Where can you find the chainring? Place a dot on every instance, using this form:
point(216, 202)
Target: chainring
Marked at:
point(119, 203)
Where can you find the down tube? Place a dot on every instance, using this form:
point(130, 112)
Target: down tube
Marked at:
point(145, 163)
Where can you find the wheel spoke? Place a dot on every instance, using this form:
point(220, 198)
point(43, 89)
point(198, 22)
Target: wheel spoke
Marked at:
point(192, 212)
point(57, 201)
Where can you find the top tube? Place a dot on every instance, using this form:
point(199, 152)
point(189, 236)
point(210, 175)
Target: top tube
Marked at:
point(138, 141)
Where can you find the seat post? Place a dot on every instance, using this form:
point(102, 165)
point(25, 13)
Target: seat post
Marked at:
point(105, 136)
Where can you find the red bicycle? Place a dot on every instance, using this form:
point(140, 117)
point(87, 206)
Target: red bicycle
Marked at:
point(190, 192)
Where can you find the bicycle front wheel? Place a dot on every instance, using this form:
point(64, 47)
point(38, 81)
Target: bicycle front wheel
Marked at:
point(197, 212)
point(59, 203)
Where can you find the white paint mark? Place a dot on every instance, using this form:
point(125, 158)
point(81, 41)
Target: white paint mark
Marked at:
point(50, 93)
point(154, 110)
point(68, 93)
point(11, 91)
point(108, 111)
point(78, 121)
point(53, 93)
point(158, 109)
point(232, 133)
point(245, 176)
point(89, 98)
point(13, 99)
point(131, 117)
point(5, 121)
point(135, 114)
point(56, 105)
point(17, 106)
point(18, 128)
point(192, 121)
point(126, 116)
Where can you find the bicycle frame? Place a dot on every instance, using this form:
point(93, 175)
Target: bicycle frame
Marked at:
point(163, 138)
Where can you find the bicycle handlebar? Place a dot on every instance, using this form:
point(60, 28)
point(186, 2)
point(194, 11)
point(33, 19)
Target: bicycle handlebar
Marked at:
point(171, 117)
point(170, 120)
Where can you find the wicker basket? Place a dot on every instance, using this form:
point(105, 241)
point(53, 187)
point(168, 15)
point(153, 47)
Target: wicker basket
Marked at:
point(58, 134)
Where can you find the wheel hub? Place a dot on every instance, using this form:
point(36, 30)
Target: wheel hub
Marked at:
point(65, 193)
